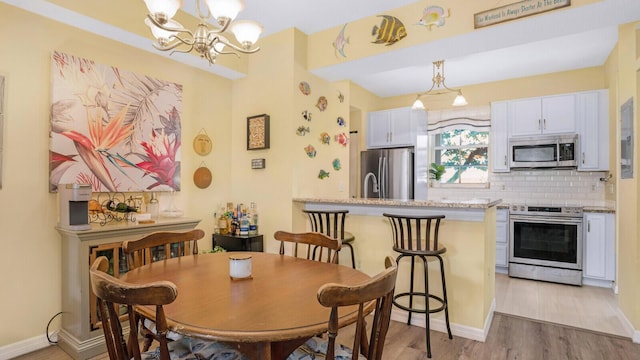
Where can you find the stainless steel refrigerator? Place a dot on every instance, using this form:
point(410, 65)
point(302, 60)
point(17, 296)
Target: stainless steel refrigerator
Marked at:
point(387, 173)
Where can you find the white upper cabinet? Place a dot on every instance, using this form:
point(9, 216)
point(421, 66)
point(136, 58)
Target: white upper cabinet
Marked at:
point(391, 128)
point(499, 151)
point(545, 115)
point(593, 130)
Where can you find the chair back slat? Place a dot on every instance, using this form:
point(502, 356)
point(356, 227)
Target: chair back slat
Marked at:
point(319, 246)
point(330, 223)
point(380, 290)
point(415, 234)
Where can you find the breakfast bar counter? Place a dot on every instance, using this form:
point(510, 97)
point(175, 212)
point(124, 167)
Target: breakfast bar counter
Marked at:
point(468, 232)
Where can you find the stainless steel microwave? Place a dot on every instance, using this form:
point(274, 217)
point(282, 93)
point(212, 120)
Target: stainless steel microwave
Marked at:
point(556, 151)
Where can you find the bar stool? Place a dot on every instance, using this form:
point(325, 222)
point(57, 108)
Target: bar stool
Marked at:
point(417, 237)
point(331, 223)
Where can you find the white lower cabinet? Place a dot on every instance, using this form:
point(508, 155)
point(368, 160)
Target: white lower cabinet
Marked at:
point(599, 261)
point(502, 240)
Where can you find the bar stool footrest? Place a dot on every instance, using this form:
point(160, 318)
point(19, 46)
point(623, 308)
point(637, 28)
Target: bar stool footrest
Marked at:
point(442, 306)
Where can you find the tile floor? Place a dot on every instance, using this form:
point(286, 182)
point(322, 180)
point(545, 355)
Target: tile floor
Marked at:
point(586, 307)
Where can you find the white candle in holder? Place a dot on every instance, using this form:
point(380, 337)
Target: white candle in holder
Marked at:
point(240, 266)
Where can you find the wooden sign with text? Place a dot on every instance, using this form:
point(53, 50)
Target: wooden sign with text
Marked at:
point(516, 11)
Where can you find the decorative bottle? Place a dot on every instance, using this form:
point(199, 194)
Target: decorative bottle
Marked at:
point(223, 225)
point(153, 206)
point(253, 224)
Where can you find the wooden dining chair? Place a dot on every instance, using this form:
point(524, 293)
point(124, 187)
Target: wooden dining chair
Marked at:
point(379, 290)
point(319, 246)
point(161, 245)
point(154, 247)
point(112, 293)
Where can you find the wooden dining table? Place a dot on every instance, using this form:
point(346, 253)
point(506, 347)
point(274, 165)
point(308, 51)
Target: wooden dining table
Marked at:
point(265, 317)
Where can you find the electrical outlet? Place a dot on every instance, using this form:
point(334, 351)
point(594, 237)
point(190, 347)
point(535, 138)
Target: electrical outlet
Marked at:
point(593, 187)
point(341, 186)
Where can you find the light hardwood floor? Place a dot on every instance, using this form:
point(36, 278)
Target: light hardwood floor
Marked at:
point(509, 338)
point(524, 328)
point(586, 307)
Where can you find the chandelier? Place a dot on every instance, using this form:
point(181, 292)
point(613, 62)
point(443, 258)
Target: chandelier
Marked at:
point(438, 88)
point(172, 36)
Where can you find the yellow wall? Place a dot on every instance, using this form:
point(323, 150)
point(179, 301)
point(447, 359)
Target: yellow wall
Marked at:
point(625, 64)
point(220, 107)
point(30, 261)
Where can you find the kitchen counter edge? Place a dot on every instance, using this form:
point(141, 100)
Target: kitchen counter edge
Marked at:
point(460, 204)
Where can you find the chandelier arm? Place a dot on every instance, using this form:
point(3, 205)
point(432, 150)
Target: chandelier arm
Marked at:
point(186, 51)
point(165, 28)
point(175, 42)
point(237, 48)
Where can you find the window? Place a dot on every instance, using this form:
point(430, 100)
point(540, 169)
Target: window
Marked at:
point(464, 154)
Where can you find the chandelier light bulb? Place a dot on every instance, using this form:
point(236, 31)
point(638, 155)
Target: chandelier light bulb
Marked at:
point(459, 100)
point(417, 105)
point(163, 10)
point(225, 10)
point(246, 32)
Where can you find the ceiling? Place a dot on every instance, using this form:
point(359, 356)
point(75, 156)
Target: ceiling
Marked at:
point(560, 40)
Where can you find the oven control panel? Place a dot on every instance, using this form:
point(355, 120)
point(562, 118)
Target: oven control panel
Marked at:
point(544, 210)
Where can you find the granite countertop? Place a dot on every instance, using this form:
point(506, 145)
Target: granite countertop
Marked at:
point(591, 209)
point(476, 203)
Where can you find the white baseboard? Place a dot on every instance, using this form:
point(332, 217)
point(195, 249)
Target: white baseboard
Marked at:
point(440, 325)
point(635, 334)
point(25, 346)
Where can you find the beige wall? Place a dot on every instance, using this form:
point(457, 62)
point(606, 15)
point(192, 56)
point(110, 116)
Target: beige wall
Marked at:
point(220, 107)
point(30, 263)
point(624, 65)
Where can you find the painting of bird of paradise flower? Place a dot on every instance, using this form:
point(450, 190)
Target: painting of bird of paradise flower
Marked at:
point(116, 130)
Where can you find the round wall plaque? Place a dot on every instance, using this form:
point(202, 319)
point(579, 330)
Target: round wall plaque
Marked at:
point(202, 177)
point(202, 144)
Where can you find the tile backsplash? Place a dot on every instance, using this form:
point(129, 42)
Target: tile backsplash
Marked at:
point(550, 187)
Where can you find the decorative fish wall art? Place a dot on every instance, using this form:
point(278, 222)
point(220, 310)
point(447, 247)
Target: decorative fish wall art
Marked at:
point(306, 115)
point(310, 150)
point(433, 16)
point(341, 121)
point(304, 88)
point(336, 164)
point(342, 139)
point(390, 31)
point(302, 131)
point(323, 174)
point(325, 138)
point(322, 103)
point(340, 42)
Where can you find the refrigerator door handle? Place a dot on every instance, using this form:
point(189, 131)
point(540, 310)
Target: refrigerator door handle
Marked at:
point(380, 179)
point(384, 178)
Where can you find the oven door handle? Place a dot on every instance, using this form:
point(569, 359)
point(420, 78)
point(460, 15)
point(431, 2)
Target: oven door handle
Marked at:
point(545, 219)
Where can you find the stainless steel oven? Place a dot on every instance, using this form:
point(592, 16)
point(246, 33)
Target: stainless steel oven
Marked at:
point(545, 243)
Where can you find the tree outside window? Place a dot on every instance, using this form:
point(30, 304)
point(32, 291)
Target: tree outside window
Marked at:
point(464, 154)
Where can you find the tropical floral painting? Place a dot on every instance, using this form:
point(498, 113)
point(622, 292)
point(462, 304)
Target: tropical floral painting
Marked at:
point(116, 130)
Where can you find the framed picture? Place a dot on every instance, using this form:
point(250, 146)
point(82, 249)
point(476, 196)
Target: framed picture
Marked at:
point(258, 132)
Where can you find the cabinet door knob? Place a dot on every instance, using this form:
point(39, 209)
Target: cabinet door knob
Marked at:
point(505, 160)
point(544, 121)
point(583, 158)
